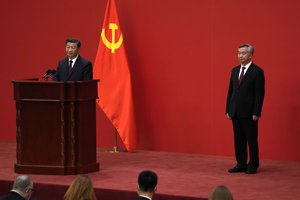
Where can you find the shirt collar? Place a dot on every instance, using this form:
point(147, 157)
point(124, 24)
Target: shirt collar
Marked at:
point(145, 197)
point(247, 66)
point(74, 59)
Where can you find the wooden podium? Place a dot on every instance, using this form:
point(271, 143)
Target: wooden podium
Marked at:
point(56, 127)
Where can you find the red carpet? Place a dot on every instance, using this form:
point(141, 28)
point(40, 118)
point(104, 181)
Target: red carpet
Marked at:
point(180, 176)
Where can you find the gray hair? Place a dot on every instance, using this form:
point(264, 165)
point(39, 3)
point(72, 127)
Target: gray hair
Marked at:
point(250, 48)
point(22, 182)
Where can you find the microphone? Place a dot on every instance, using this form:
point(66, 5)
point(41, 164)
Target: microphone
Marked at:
point(52, 72)
point(47, 73)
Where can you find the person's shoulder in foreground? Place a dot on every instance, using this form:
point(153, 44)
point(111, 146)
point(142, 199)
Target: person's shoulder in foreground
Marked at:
point(21, 190)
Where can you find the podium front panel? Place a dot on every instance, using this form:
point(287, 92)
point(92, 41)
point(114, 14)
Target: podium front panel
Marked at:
point(56, 127)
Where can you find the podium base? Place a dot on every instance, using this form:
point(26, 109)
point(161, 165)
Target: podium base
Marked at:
point(56, 170)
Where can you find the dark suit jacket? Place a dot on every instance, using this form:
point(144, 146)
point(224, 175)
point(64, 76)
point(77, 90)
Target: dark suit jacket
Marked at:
point(12, 196)
point(82, 70)
point(246, 99)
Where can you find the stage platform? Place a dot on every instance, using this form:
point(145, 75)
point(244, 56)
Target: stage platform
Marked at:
point(180, 176)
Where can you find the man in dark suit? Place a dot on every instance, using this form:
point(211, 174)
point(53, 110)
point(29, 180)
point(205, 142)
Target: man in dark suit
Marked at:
point(74, 67)
point(147, 181)
point(244, 104)
point(22, 189)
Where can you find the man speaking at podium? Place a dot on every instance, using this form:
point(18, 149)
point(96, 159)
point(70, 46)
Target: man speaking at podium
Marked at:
point(74, 67)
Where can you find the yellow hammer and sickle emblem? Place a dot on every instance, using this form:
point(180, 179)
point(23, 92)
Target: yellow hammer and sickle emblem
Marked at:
point(113, 45)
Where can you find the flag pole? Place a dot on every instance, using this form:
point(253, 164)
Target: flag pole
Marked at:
point(115, 150)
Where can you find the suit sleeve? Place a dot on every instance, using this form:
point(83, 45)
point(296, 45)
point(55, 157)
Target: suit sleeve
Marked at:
point(259, 93)
point(88, 71)
point(56, 76)
point(229, 94)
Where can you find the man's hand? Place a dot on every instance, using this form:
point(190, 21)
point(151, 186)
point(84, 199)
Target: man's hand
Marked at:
point(228, 116)
point(255, 118)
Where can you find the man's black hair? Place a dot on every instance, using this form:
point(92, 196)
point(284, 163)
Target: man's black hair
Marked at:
point(147, 181)
point(74, 40)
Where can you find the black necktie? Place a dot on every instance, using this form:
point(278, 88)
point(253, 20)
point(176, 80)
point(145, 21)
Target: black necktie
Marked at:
point(242, 75)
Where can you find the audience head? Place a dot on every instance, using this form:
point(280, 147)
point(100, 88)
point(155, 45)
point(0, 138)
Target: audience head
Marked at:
point(220, 193)
point(147, 181)
point(81, 189)
point(24, 186)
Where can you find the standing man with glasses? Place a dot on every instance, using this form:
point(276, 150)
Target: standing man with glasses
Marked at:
point(244, 104)
point(22, 189)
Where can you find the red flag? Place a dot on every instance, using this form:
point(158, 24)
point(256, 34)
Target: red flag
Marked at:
point(114, 88)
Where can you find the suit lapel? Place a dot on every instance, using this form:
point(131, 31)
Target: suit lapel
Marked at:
point(65, 72)
point(236, 75)
point(248, 73)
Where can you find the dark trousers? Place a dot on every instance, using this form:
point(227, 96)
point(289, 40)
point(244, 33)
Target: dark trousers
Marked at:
point(245, 132)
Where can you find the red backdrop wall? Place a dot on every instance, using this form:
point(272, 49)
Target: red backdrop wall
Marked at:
point(180, 53)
